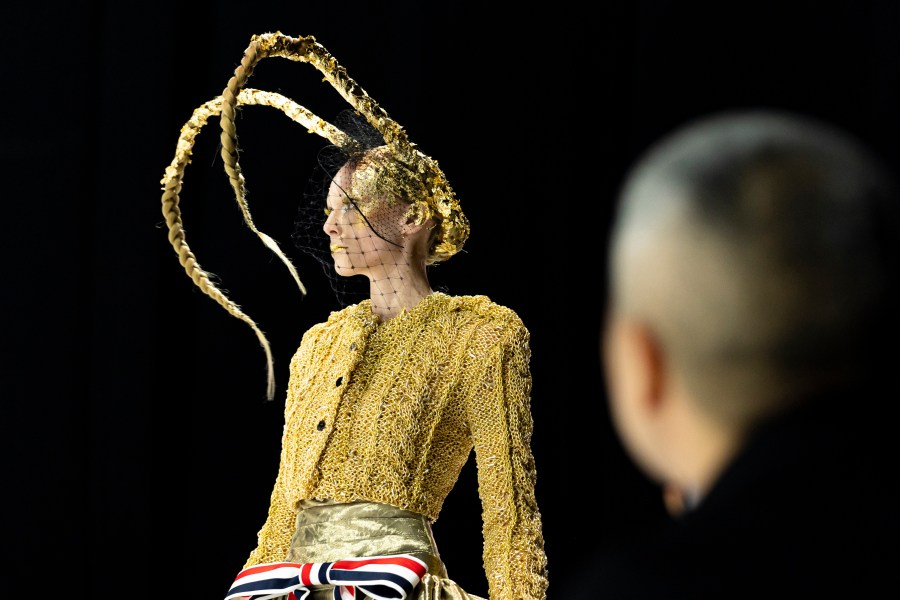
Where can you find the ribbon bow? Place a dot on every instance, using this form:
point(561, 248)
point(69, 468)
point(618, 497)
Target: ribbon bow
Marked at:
point(381, 577)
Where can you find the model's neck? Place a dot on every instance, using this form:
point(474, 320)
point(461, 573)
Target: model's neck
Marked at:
point(401, 288)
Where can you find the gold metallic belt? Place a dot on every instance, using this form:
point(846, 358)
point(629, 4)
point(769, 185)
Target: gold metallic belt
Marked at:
point(328, 531)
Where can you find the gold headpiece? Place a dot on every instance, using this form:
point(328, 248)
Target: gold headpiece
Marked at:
point(417, 176)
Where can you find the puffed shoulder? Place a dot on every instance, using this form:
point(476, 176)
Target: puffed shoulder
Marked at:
point(494, 323)
point(481, 306)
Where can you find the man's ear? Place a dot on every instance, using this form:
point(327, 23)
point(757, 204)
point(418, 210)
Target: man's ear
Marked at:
point(649, 352)
point(634, 356)
point(634, 364)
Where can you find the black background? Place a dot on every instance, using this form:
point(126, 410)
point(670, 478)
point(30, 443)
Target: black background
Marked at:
point(139, 451)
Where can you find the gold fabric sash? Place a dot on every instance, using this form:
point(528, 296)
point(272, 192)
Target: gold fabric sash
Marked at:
point(327, 531)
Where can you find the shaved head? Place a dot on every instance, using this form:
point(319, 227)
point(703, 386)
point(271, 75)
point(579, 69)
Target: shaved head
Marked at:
point(754, 246)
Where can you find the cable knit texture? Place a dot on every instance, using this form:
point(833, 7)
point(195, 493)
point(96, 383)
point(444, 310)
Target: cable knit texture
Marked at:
point(390, 411)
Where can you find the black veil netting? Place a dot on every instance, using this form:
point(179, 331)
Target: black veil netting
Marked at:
point(308, 235)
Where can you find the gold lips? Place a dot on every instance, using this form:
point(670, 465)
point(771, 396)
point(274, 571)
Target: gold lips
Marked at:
point(336, 248)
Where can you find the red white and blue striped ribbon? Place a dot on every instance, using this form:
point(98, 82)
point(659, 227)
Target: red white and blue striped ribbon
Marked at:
point(380, 577)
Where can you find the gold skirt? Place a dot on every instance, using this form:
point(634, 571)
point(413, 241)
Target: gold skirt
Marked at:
point(328, 531)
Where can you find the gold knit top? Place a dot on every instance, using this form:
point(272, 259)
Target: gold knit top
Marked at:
point(390, 411)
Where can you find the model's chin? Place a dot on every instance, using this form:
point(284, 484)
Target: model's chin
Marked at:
point(343, 270)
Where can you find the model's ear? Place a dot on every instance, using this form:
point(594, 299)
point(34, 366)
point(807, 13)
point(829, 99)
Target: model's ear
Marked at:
point(414, 220)
point(413, 226)
point(416, 231)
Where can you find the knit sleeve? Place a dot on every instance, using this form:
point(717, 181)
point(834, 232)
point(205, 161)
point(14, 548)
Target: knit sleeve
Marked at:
point(500, 420)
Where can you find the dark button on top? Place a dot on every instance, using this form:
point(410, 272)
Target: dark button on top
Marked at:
point(353, 346)
point(321, 425)
point(339, 381)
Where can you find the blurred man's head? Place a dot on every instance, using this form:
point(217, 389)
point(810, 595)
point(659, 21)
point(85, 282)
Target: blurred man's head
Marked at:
point(749, 265)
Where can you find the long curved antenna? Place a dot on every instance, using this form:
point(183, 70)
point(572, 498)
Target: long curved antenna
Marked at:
point(172, 184)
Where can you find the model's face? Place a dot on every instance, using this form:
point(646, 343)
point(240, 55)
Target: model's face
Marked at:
point(355, 247)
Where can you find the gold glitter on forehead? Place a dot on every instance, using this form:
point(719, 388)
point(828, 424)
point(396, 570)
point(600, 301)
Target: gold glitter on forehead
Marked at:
point(378, 174)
